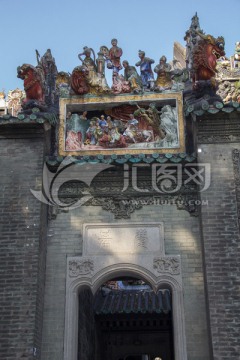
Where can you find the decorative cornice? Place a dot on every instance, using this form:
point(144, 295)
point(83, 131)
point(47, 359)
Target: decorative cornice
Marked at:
point(213, 111)
point(34, 116)
point(208, 105)
point(124, 159)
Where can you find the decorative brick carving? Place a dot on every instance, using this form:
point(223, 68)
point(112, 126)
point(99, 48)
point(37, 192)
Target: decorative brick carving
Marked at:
point(170, 265)
point(123, 204)
point(219, 130)
point(123, 208)
point(80, 267)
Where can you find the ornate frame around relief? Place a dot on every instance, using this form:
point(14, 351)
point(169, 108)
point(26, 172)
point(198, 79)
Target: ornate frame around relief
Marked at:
point(109, 105)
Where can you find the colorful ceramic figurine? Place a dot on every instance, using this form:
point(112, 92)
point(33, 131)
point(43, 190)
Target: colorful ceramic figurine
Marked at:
point(88, 61)
point(33, 78)
point(74, 135)
point(131, 75)
point(120, 85)
point(113, 58)
point(146, 70)
point(163, 71)
point(205, 56)
point(237, 55)
point(95, 82)
point(202, 54)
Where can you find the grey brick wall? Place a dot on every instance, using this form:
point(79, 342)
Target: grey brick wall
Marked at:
point(222, 251)
point(23, 224)
point(22, 249)
point(182, 236)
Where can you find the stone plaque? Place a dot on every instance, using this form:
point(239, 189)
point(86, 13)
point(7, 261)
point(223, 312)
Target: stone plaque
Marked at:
point(125, 238)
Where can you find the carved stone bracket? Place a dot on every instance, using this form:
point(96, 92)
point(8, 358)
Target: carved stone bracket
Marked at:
point(170, 265)
point(188, 202)
point(80, 267)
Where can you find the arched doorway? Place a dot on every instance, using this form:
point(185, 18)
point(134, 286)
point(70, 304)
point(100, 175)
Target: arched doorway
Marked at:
point(124, 257)
point(132, 322)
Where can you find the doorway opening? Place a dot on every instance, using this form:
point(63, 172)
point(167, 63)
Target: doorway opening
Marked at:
point(125, 320)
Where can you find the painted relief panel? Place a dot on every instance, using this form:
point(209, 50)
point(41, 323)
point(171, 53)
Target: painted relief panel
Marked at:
point(123, 124)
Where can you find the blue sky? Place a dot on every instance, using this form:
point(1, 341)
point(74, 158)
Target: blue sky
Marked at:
point(67, 26)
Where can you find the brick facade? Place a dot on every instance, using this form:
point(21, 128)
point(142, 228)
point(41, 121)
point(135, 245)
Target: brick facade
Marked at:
point(182, 236)
point(34, 251)
point(220, 228)
point(22, 253)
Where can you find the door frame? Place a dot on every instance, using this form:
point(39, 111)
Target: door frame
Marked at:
point(93, 275)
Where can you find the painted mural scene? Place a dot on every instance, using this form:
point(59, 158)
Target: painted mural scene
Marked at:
point(120, 204)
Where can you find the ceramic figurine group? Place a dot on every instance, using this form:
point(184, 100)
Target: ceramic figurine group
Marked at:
point(95, 132)
point(144, 125)
point(43, 84)
point(90, 76)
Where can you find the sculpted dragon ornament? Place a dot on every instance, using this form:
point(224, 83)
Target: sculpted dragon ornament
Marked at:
point(205, 55)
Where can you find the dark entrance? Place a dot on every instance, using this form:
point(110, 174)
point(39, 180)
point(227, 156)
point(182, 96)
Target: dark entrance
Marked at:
point(133, 324)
